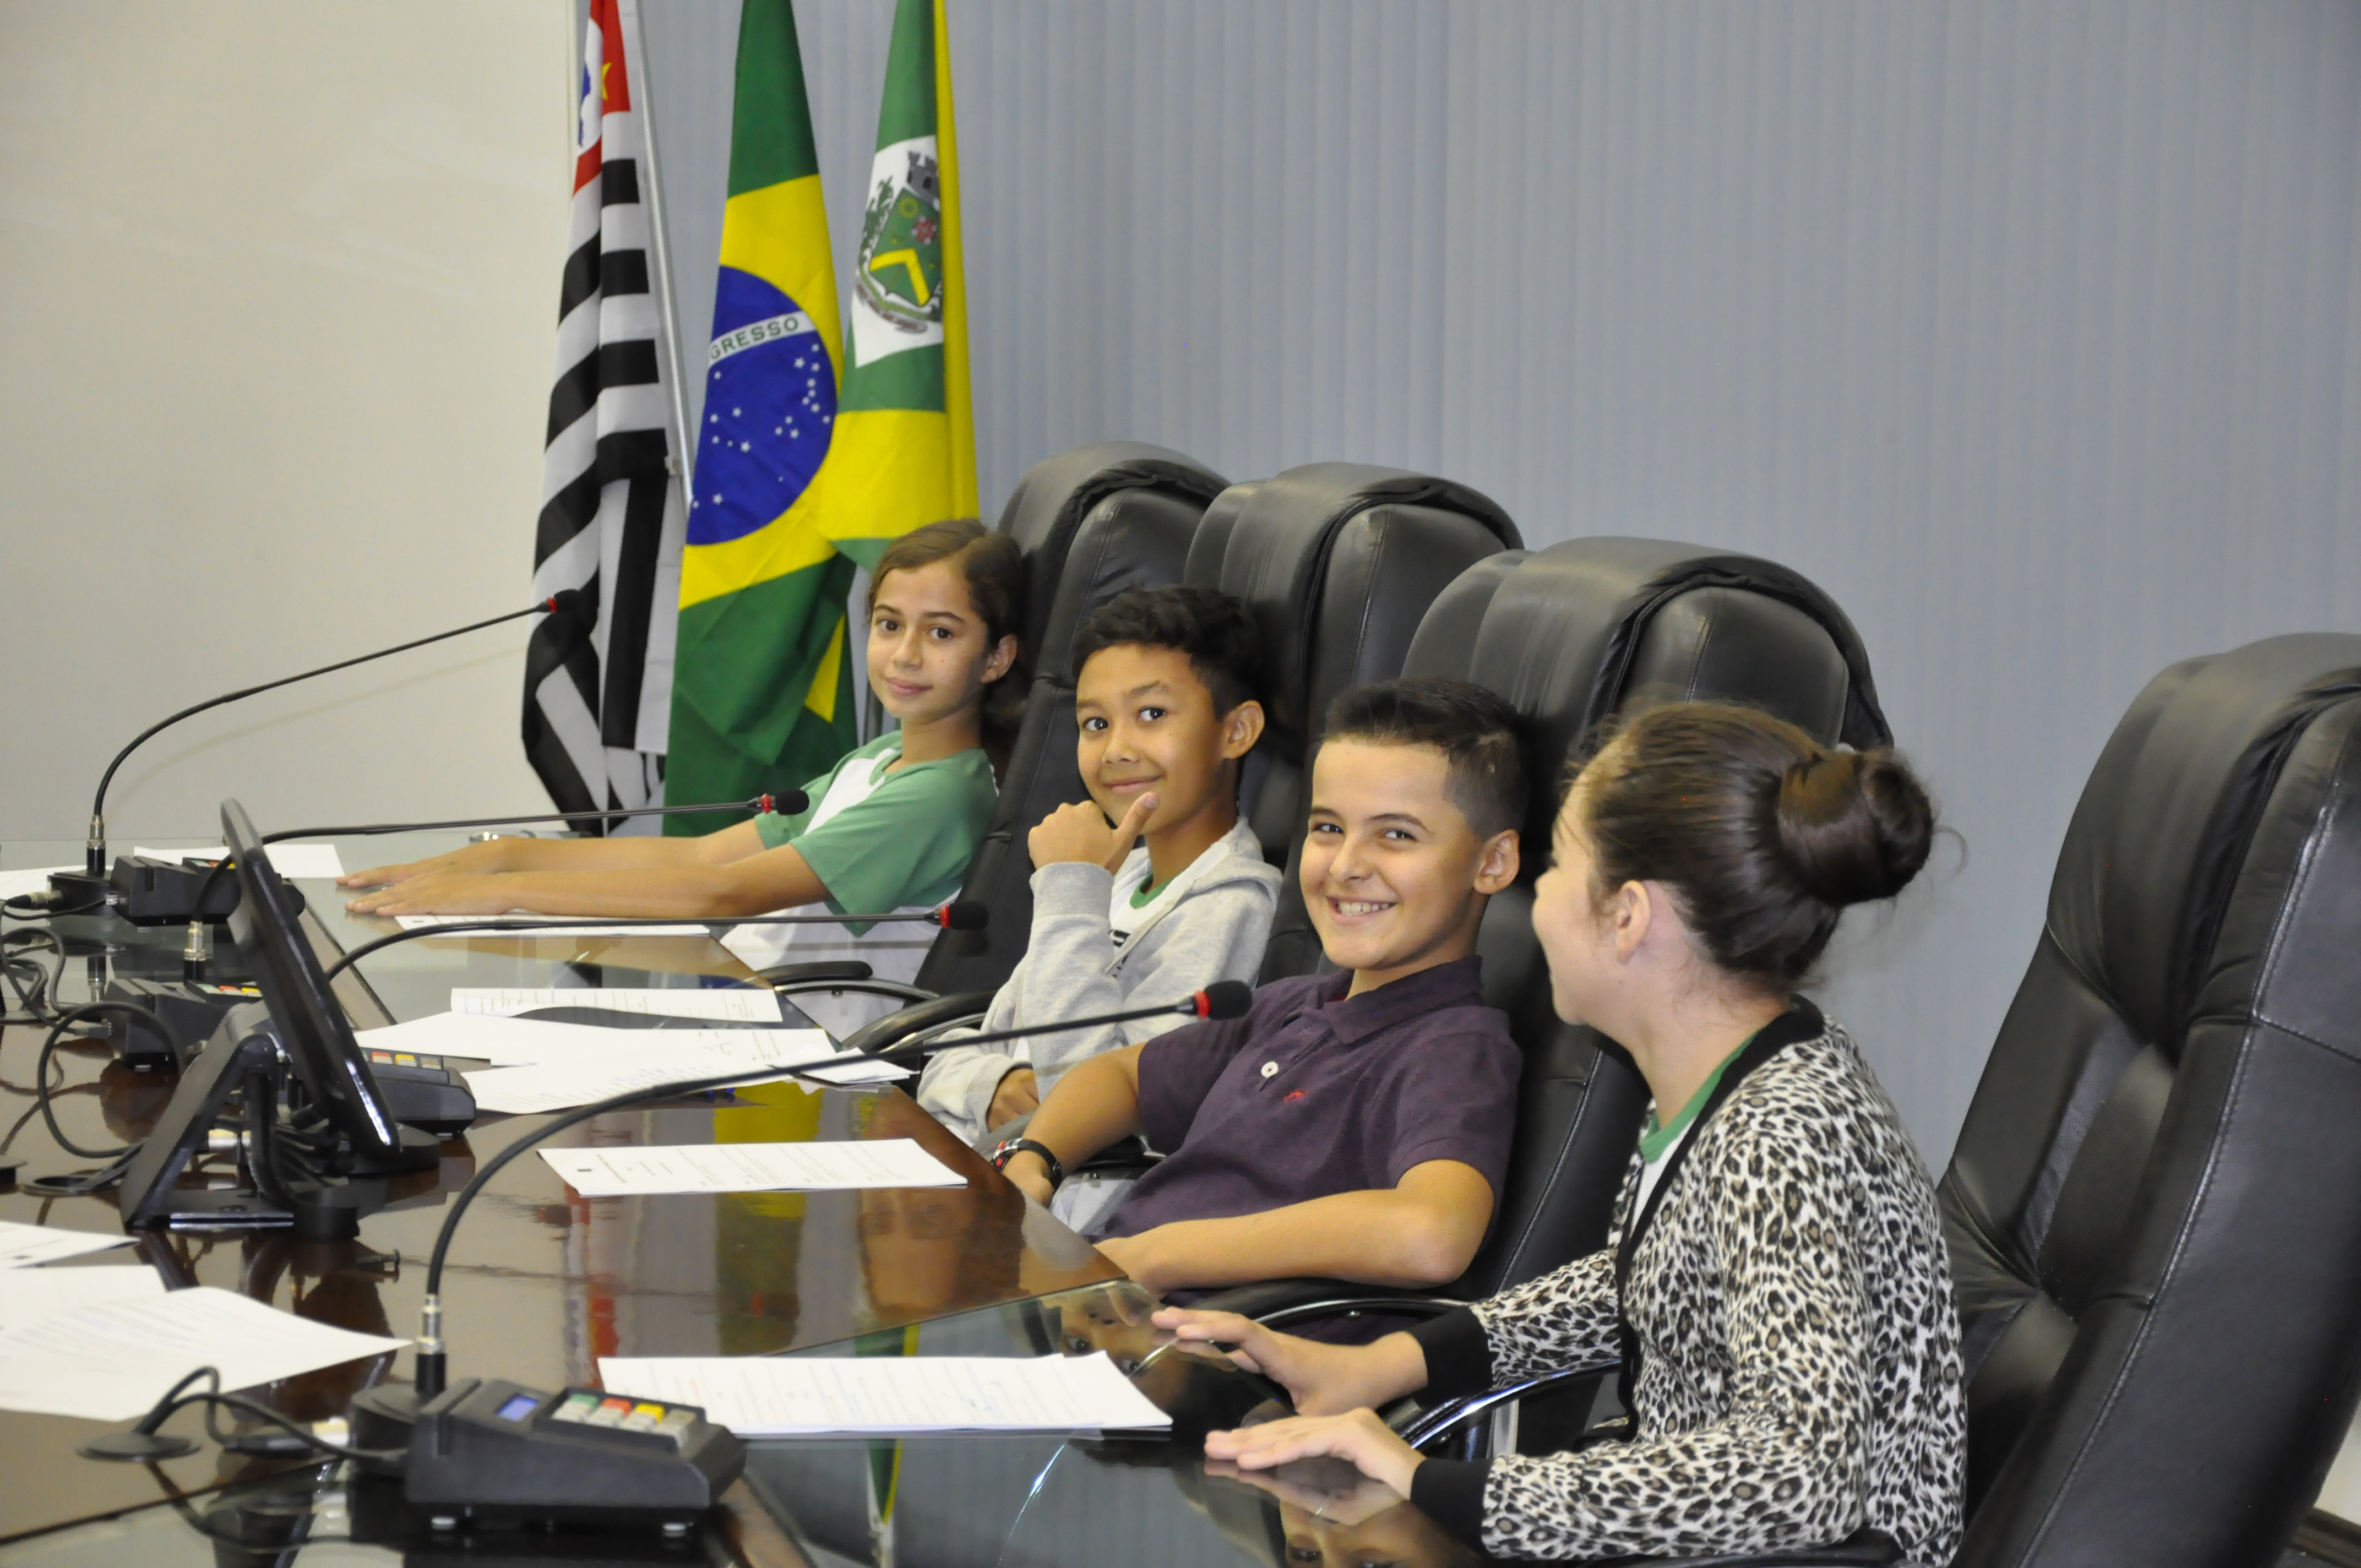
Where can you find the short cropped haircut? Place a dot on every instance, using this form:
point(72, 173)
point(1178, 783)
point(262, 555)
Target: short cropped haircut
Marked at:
point(1475, 728)
point(1211, 629)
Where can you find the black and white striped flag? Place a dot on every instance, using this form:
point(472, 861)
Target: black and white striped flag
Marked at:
point(597, 686)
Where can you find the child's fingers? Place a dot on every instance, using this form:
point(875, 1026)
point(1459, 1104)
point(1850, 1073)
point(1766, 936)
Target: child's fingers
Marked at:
point(1127, 831)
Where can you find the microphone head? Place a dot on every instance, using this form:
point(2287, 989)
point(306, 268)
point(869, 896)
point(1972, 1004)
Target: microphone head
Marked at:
point(966, 915)
point(569, 602)
point(1224, 998)
point(788, 802)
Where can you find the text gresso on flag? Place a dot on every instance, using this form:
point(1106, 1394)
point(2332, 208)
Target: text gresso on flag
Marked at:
point(755, 333)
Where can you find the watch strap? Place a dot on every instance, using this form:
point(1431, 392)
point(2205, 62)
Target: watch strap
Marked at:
point(1011, 1147)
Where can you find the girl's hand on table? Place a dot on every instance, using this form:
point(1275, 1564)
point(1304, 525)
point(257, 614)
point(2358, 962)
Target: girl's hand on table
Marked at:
point(1359, 1437)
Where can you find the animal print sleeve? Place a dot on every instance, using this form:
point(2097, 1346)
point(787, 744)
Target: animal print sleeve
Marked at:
point(1785, 1467)
point(1560, 1320)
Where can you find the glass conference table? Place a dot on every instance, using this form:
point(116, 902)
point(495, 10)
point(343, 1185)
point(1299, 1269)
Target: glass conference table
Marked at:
point(542, 1282)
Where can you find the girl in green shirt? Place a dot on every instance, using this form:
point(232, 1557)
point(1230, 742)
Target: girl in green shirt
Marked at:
point(892, 826)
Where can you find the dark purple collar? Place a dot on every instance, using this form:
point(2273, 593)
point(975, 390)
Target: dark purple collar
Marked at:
point(1352, 1019)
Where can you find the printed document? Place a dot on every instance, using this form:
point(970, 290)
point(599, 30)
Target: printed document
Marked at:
point(744, 1004)
point(504, 1041)
point(27, 1294)
point(601, 1075)
point(750, 1167)
point(21, 1247)
point(287, 860)
point(112, 1361)
point(797, 1396)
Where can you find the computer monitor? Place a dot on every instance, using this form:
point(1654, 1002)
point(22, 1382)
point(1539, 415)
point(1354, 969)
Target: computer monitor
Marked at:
point(311, 1025)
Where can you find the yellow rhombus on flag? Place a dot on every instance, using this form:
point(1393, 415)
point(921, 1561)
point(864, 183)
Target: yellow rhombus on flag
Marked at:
point(808, 463)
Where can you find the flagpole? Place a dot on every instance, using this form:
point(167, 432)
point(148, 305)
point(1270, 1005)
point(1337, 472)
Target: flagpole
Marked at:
point(668, 323)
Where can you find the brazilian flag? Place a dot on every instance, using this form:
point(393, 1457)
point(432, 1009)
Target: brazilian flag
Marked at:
point(812, 458)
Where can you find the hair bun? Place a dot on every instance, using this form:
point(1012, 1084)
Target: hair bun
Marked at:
point(1853, 826)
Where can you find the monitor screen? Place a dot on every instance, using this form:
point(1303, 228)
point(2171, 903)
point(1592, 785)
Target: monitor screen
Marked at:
point(310, 1023)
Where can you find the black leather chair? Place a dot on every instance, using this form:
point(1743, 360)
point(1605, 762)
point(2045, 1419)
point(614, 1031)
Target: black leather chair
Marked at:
point(1093, 522)
point(1337, 563)
point(1571, 635)
point(2154, 1208)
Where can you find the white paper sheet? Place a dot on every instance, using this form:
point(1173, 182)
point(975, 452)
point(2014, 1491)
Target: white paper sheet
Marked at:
point(287, 860)
point(112, 1361)
point(528, 1042)
point(28, 1295)
point(750, 1167)
point(16, 885)
point(560, 1086)
point(525, 927)
point(790, 1395)
point(743, 1004)
point(21, 1247)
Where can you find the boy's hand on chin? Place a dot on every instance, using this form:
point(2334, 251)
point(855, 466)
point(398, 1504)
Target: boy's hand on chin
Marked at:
point(1079, 833)
point(439, 893)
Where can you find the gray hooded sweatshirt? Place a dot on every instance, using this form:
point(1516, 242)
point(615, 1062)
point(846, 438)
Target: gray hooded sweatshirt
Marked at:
point(1212, 925)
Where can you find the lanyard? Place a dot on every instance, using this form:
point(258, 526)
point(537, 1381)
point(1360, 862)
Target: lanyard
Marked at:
point(1768, 1042)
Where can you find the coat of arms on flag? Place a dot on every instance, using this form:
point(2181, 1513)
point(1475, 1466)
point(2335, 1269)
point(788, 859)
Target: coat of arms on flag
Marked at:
point(816, 447)
point(901, 243)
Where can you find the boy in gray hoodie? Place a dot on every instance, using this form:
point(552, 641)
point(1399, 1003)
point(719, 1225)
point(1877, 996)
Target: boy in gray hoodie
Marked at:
point(1165, 707)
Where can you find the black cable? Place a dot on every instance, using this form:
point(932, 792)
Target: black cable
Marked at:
point(41, 1086)
point(36, 999)
point(79, 1183)
point(22, 907)
point(175, 1400)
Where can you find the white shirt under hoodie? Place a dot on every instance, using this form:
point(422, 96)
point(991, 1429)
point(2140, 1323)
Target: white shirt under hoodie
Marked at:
point(1209, 923)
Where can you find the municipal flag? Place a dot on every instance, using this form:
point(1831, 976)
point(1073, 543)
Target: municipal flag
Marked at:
point(597, 698)
point(818, 446)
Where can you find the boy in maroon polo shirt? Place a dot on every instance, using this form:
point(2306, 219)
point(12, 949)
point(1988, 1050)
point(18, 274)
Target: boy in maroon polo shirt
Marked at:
point(1352, 1125)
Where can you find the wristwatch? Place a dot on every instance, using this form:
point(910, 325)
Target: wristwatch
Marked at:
point(1010, 1148)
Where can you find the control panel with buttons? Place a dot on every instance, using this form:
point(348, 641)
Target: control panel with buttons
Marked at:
point(493, 1451)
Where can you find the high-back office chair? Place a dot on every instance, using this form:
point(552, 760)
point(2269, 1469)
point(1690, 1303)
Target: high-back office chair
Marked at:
point(1092, 523)
point(2154, 1209)
point(1572, 635)
point(1337, 564)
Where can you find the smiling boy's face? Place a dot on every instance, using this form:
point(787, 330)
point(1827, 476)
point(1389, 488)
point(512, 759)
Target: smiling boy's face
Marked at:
point(1393, 875)
point(1146, 724)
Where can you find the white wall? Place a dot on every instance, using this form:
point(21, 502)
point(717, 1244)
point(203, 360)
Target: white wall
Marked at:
point(278, 300)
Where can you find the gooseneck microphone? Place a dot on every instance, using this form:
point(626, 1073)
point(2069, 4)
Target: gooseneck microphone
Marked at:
point(565, 601)
point(1221, 1000)
point(963, 915)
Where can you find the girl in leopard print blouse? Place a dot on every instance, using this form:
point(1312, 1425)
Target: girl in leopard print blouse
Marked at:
point(1775, 1284)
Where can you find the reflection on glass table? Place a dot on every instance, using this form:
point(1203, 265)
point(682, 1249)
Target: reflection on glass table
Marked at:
point(942, 1502)
point(952, 1502)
